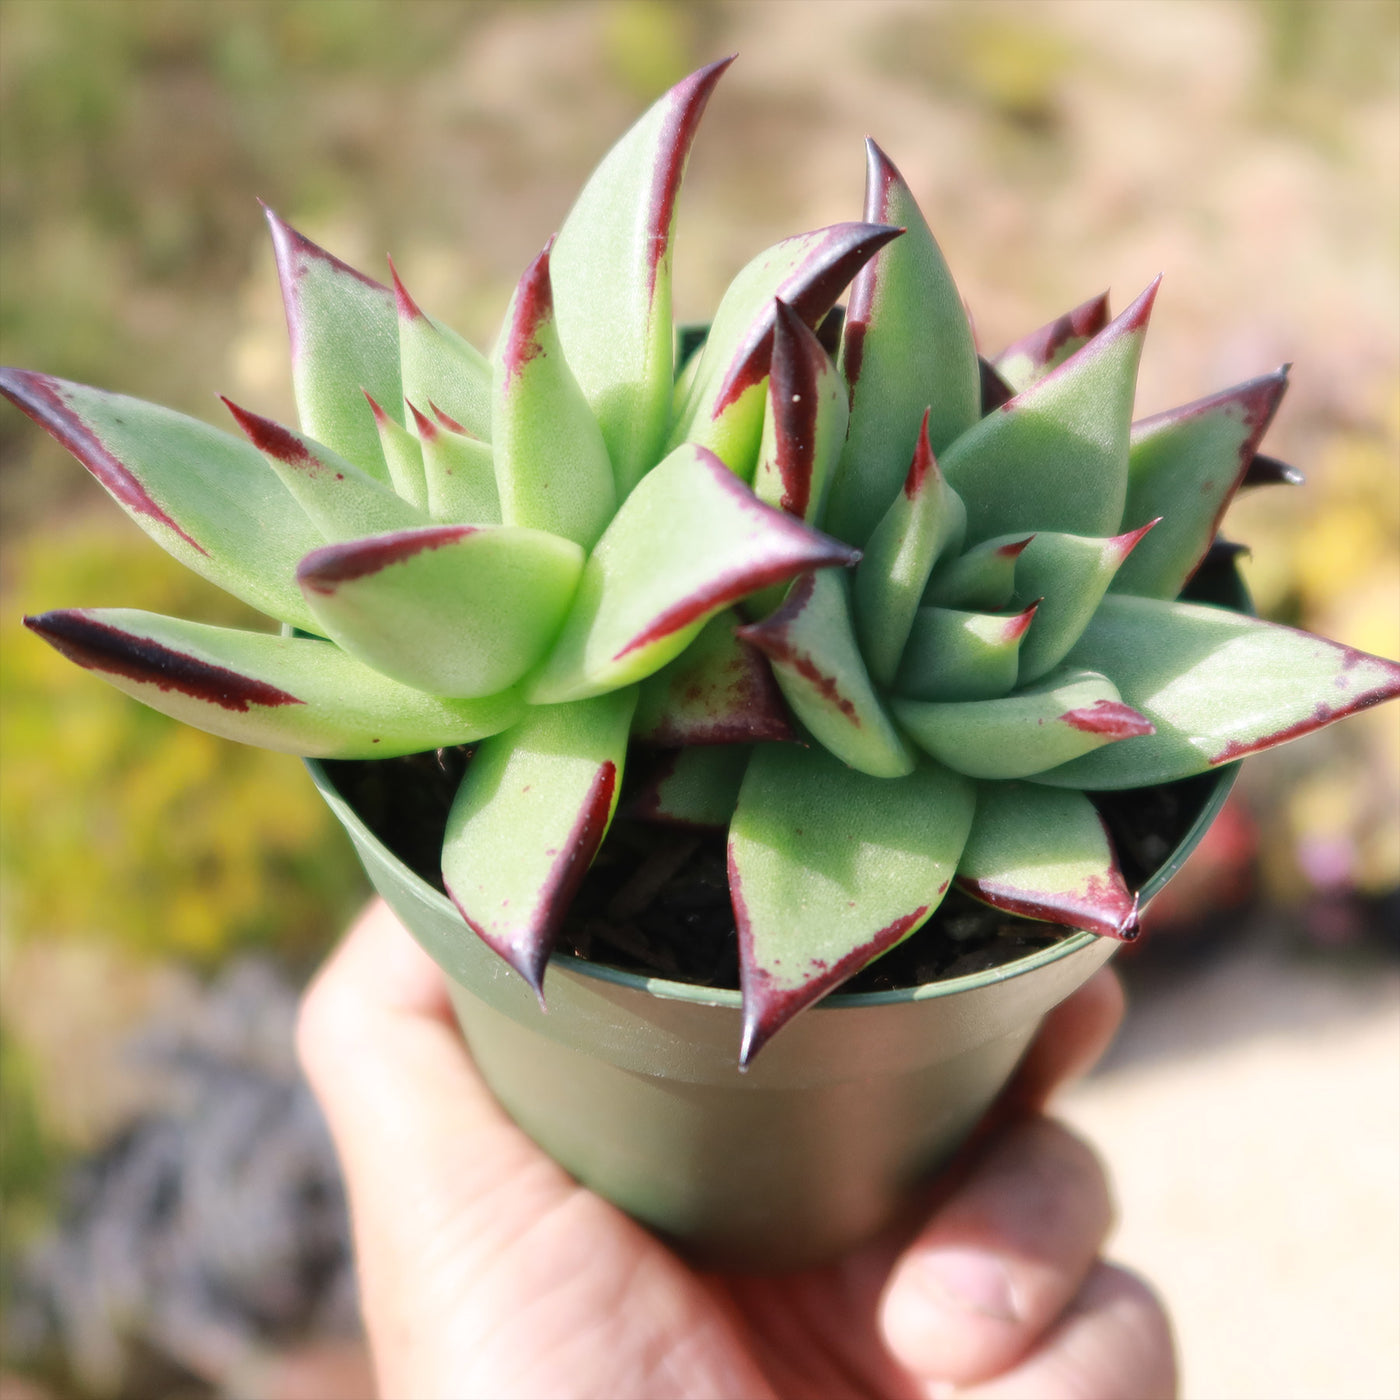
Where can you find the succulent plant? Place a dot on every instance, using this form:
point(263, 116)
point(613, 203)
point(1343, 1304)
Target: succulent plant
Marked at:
point(887, 609)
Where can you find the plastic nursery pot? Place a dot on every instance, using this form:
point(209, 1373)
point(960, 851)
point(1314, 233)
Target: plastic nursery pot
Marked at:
point(632, 1083)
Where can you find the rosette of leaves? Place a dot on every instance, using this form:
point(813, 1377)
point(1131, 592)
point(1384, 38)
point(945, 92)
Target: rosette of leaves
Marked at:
point(889, 609)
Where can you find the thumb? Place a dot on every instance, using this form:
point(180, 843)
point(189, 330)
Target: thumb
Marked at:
point(424, 1147)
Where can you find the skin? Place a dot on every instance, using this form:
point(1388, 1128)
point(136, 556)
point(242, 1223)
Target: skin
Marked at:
point(487, 1271)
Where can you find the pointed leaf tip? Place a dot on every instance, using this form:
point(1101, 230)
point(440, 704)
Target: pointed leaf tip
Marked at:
point(97, 645)
point(408, 309)
point(836, 255)
point(534, 306)
point(271, 437)
point(42, 398)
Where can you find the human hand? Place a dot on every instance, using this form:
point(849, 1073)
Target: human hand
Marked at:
point(486, 1270)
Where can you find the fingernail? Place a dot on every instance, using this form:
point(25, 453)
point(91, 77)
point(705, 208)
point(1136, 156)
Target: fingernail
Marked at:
point(970, 1280)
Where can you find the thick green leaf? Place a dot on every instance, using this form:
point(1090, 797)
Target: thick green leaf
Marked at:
point(907, 353)
point(955, 655)
point(440, 367)
point(463, 610)
point(459, 471)
point(811, 642)
point(552, 466)
point(293, 694)
point(208, 498)
point(925, 522)
point(690, 540)
point(697, 787)
point(1216, 685)
point(403, 455)
point(804, 423)
point(1056, 456)
point(722, 408)
point(344, 342)
point(982, 579)
point(527, 821)
point(612, 277)
point(719, 690)
point(1045, 854)
point(1035, 355)
point(1185, 466)
point(343, 501)
point(1067, 575)
point(1057, 718)
point(829, 868)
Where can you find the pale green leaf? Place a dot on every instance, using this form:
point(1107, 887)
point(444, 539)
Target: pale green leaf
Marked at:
point(552, 467)
point(829, 868)
point(462, 610)
point(1045, 853)
point(690, 540)
point(293, 694)
point(207, 497)
point(528, 819)
point(1216, 685)
point(811, 643)
point(1057, 718)
point(907, 353)
point(1056, 456)
point(612, 277)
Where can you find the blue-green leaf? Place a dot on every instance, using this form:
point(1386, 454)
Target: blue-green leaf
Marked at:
point(811, 642)
point(1056, 456)
point(1216, 685)
point(528, 819)
point(1184, 467)
point(442, 368)
point(1044, 853)
point(1065, 714)
point(924, 523)
point(612, 277)
point(829, 868)
point(344, 342)
point(690, 540)
point(955, 655)
point(552, 467)
point(907, 353)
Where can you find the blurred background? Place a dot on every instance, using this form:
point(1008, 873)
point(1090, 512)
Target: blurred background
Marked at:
point(171, 1220)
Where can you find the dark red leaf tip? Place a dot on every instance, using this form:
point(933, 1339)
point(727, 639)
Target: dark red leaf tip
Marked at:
point(882, 180)
point(380, 417)
point(408, 309)
point(1136, 316)
point(1016, 626)
point(270, 437)
point(811, 290)
point(794, 379)
point(325, 568)
point(427, 429)
point(100, 646)
point(686, 104)
point(924, 462)
point(447, 421)
point(41, 397)
point(534, 306)
point(1015, 549)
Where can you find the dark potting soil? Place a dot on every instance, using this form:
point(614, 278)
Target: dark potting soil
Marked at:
point(656, 900)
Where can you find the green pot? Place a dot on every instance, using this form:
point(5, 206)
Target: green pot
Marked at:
point(632, 1083)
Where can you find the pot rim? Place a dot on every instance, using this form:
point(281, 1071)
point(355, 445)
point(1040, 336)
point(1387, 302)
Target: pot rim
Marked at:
point(730, 997)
